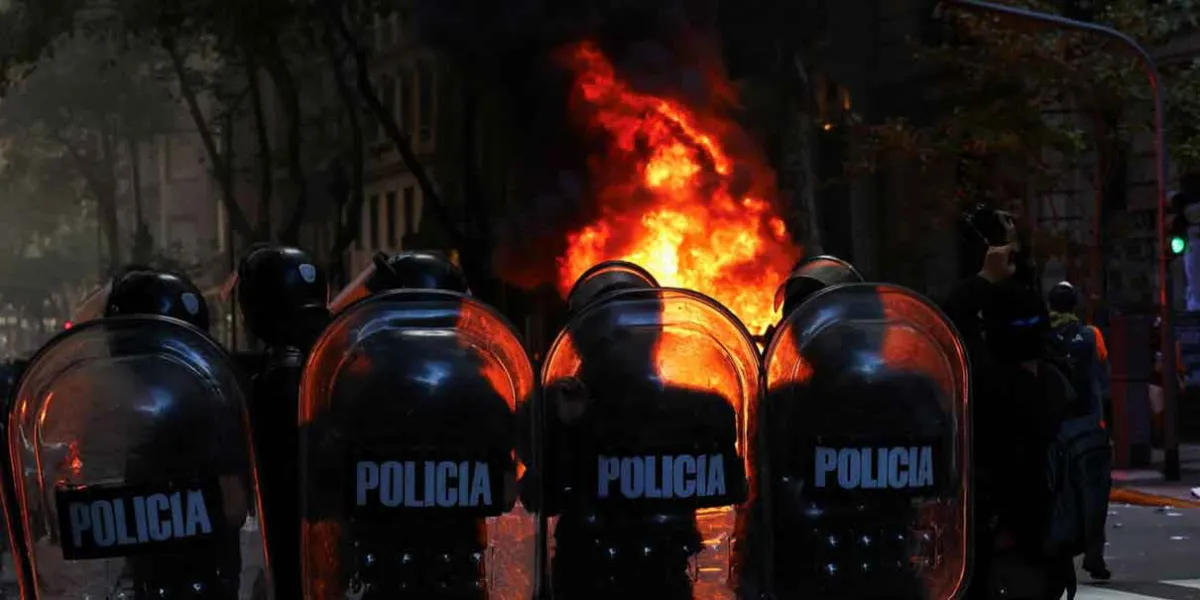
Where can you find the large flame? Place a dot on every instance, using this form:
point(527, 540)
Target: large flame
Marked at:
point(674, 199)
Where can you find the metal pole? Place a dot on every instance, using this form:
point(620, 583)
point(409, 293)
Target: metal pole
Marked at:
point(1165, 293)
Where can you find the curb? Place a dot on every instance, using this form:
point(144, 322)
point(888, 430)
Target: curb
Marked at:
point(1140, 498)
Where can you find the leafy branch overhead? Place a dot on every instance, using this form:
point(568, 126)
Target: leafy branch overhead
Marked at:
point(231, 64)
point(1039, 99)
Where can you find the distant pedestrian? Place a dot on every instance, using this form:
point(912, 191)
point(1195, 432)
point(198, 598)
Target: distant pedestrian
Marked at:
point(1082, 348)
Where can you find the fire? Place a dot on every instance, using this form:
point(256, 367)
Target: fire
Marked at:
point(675, 200)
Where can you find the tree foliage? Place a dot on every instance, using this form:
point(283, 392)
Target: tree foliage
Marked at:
point(1017, 107)
point(67, 130)
point(1010, 92)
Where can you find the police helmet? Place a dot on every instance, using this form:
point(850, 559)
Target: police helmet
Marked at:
point(812, 275)
point(282, 294)
point(417, 269)
point(140, 290)
point(1063, 297)
point(605, 277)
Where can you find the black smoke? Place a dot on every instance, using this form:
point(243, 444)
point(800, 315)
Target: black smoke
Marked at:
point(663, 47)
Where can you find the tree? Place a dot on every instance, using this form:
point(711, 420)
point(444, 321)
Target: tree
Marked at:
point(775, 62)
point(218, 51)
point(80, 114)
point(48, 250)
point(1015, 109)
point(347, 23)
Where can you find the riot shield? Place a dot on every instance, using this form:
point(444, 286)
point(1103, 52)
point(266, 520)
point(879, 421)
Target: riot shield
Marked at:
point(10, 554)
point(864, 449)
point(93, 306)
point(133, 469)
point(410, 409)
point(646, 392)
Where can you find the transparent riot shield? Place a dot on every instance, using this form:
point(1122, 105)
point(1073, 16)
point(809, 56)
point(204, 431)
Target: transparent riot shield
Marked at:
point(646, 392)
point(133, 469)
point(10, 554)
point(93, 306)
point(864, 448)
point(413, 406)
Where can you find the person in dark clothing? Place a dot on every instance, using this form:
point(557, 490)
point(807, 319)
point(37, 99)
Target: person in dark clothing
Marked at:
point(283, 299)
point(1020, 401)
point(1083, 346)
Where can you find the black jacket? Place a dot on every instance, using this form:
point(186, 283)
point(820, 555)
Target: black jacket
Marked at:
point(1016, 415)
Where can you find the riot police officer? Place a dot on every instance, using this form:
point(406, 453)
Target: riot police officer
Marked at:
point(413, 270)
point(283, 297)
point(808, 277)
point(408, 425)
point(861, 450)
point(158, 472)
point(641, 437)
point(605, 278)
point(141, 290)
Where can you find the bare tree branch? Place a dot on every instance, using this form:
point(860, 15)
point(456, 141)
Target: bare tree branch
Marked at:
point(349, 222)
point(237, 218)
point(266, 166)
point(388, 121)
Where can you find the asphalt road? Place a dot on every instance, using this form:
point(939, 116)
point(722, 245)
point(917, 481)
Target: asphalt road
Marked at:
point(1152, 552)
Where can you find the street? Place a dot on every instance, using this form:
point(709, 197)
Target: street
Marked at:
point(1152, 552)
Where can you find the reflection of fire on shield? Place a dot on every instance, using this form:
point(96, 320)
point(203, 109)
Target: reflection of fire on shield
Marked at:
point(642, 444)
point(864, 452)
point(135, 471)
point(409, 431)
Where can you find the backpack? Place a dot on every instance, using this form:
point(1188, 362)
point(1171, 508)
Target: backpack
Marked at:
point(1079, 477)
point(1073, 351)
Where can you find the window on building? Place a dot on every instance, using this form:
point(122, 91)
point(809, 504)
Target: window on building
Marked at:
point(410, 211)
point(373, 224)
point(375, 33)
point(425, 99)
point(403, 19)
point(371, 126)
point(388, 97)
point(404, 104)
point(389, 31)
point(392, 218)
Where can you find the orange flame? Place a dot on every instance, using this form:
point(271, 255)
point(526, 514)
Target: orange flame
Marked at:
point(675, 200)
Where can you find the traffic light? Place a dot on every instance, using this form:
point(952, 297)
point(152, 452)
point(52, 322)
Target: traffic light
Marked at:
point(1177, 237)
point(1177, 224)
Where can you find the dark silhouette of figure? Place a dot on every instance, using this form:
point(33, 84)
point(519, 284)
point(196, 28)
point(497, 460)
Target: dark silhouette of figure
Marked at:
point(605, 278)
point(184, 448)
point(173, 419)
point(397, 395)
point(849, 370)
point(283, 298)
point(808, 277)
point(411, 270)
point(618, 403)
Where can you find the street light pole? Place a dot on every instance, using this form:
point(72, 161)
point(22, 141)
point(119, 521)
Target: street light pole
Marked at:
point(1170, 383)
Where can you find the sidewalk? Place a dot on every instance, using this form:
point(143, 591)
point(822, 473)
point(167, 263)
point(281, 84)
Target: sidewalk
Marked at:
point(1146, 487)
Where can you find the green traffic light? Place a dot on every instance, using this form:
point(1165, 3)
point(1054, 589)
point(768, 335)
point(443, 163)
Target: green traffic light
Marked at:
point(1178, 244)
